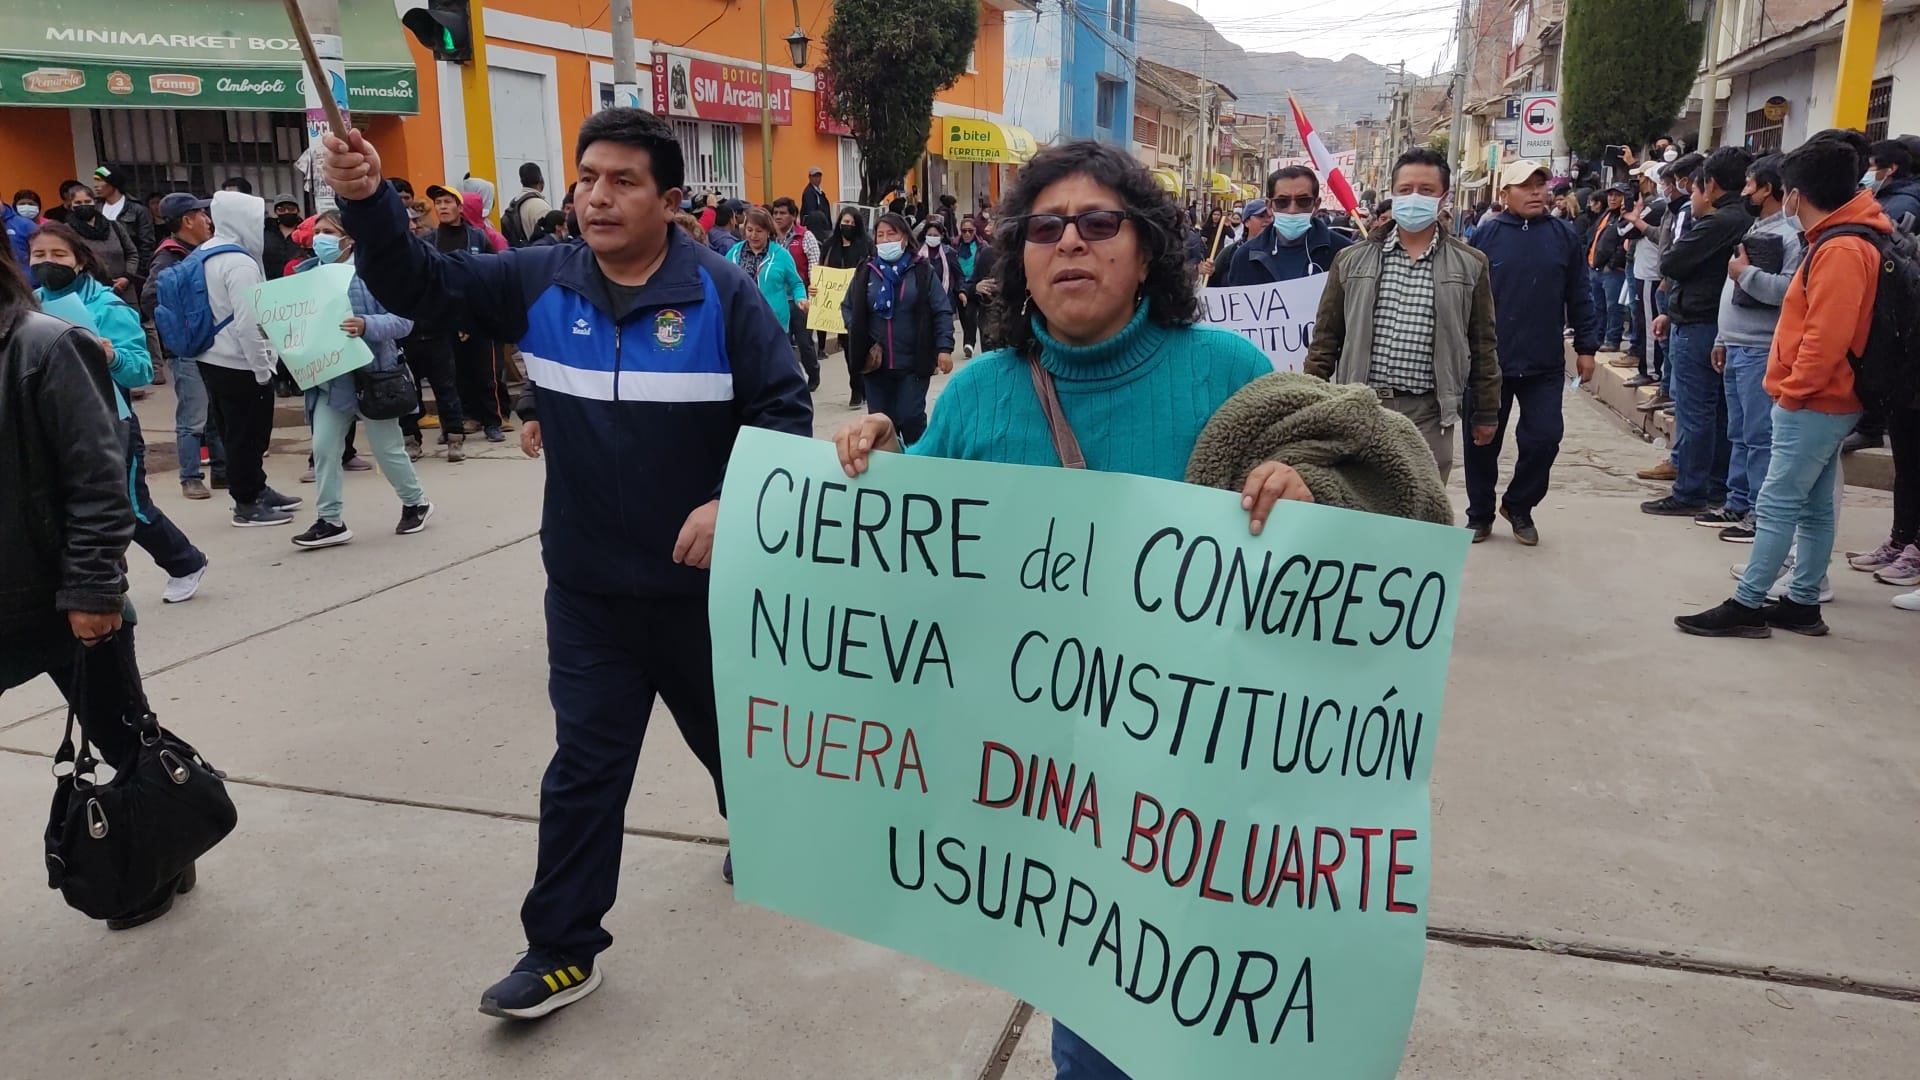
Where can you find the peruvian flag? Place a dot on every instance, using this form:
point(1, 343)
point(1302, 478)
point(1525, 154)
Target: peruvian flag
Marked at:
point(1323, 162)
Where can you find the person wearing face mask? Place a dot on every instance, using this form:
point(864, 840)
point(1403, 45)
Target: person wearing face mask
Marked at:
point(848, 249)
point(62, 267)
point(1540, 288)
point(186, 223)
point(1893, 182)
point(1297, 243)
point(333, 408)
point(119, 258)
point(281, 249)
point(769, 264)
point(943, 259)
point(19, 218)
point(1825, 318)
point(1429, 352)
point(977, 260)
point(1696, 269)
point(900, 320)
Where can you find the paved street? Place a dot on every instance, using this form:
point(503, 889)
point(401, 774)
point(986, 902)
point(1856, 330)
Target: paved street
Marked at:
point(1606, 786)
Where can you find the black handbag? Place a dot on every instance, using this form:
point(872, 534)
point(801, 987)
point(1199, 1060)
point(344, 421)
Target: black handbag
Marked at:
point(385, 395)
point(112, 848)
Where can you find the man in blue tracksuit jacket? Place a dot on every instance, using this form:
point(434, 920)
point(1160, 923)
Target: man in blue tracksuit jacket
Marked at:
point(648, 353)
point(1540, 287)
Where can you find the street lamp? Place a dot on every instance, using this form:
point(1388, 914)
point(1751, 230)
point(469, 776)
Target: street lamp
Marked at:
point(797, 43)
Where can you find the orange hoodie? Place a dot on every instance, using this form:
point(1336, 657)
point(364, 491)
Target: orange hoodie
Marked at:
point(1826, 315)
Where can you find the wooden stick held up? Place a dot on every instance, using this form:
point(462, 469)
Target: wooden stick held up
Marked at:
point(316, 75)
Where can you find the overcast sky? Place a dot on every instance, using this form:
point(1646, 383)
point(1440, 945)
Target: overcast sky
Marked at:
point(1384, 31)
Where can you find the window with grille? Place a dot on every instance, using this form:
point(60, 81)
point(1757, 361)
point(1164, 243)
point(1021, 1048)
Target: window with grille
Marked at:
point(713, 155)
point(197, 150)
point(1763, 135)
point(1879, 108)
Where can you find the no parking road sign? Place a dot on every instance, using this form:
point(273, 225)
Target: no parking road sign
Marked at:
point(1539, 120)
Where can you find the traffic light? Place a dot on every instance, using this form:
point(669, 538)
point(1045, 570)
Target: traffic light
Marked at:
point(443, 26)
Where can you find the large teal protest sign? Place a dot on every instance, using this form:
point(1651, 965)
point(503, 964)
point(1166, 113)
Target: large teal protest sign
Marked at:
point(301, 315)
point(1081, 736)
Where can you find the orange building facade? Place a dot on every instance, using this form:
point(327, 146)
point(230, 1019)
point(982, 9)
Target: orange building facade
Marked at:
point(699, 64)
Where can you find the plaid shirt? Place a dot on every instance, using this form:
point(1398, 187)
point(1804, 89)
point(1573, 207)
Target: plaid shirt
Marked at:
point(1403, 320)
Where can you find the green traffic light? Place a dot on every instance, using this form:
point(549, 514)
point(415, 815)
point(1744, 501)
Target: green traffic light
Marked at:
point(446, 40)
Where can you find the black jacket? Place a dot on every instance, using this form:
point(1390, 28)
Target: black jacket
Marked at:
point(281, 250)
point(1899, 197)
point(845, 257)
point(1257, 261)
point(1607, 248)
point(1696, 264)
point(814, 201)
point(135, 218)
point(169, 252)
point(65, 518)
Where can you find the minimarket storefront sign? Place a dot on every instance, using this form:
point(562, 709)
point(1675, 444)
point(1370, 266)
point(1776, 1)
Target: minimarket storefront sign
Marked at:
point(239, 54)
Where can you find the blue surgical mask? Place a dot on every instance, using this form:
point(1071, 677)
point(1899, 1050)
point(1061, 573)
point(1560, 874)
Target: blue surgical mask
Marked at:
point(1869, 181)
point(1415, 213)
point(326, 247)
point(1292, 227)
point(889, 249)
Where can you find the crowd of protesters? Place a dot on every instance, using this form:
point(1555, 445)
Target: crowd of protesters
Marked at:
point(1745, 288)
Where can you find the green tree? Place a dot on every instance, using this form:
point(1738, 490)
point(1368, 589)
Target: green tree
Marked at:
point(1628, 69)
point(888, 59)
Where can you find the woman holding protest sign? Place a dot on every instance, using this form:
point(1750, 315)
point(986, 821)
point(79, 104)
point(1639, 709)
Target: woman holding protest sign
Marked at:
point(73, 284)
point(333, 405)
point(847, 249)
point(1104, 367)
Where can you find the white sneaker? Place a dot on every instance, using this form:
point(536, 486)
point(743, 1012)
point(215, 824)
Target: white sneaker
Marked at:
point(1779, 590)
point(1739, 569)
point(181, 589)
point(1908, 601)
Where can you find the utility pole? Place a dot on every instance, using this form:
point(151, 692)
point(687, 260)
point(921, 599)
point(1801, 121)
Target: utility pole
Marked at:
point(1859, 43)
point(1462, 78)
point(1710, 87)
point(766, 115)
point(626, 79)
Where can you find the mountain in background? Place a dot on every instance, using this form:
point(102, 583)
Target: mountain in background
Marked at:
point(1334, 93)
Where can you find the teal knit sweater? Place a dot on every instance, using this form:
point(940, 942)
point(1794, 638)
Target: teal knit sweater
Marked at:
point(1137, 401)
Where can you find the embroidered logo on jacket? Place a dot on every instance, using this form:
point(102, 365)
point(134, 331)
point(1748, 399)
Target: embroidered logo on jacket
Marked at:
point(581, 327)
point(669, 328)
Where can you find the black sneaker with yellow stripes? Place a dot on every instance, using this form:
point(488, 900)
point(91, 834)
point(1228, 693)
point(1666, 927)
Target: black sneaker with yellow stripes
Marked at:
point(539, 984)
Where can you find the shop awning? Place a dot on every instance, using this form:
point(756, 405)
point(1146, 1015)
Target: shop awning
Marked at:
point(1167, 179)
point(1246, 191)
point(1218, 184)
point(192, 54)
point(963, 139)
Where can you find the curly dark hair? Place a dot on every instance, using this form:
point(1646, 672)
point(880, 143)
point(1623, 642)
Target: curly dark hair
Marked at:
point(1169, 290)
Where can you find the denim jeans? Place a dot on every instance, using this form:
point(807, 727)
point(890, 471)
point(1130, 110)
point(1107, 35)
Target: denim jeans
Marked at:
point(1663, 355)
point(1749, 425)
point(190, 422)
point(1700, 441)
point(389, 449)
point(1797, 496)
point(1074, 1059)
point(902, 396)
point(1606, 303)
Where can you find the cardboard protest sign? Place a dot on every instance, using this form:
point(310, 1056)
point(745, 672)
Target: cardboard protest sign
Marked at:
point(1277, 317)
point(828, 287)
point(1082, 736)
point(301, 315)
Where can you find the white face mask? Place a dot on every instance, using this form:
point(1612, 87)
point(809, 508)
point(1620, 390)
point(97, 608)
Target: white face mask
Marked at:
point(889, 249)
point(933, 241)
point(27, 210)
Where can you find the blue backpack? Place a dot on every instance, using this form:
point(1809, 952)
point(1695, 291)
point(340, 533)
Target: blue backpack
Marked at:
point(182, 313)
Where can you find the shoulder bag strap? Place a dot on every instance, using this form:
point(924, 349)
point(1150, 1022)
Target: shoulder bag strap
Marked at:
point(1064, 443)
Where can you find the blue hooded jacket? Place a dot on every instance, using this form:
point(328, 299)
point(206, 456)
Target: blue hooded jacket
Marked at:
point(1539, 289)
point(18, 230)
point(131, 366)
point(639, 399)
